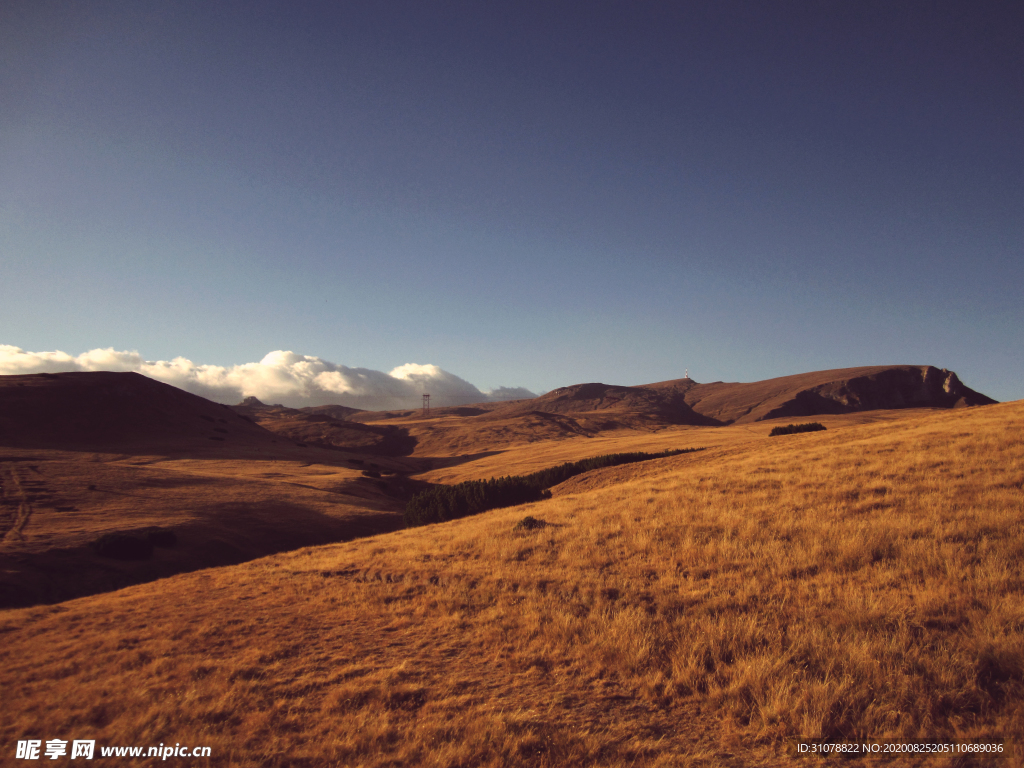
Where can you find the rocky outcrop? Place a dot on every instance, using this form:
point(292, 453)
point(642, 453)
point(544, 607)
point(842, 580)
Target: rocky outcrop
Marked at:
point(684, 401)
point(897, 387)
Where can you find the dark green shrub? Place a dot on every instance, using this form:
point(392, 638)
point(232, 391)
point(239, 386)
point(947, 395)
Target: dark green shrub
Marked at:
point(793, 429)
point(450, 502)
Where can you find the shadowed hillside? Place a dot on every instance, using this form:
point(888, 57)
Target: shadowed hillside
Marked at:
point(602, 406)
point(329, 426)
point(120, 411)
point(88, 458)
point(85, 456)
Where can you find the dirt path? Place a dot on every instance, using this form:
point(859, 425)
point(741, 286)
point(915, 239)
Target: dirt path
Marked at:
point(15, 509)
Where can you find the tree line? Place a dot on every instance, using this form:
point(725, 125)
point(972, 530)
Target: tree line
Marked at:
point(450, 502)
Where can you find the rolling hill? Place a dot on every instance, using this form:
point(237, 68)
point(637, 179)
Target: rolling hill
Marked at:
point(590, 410)
point(85, 456)
point(685, 401)
point(860, 583)
point(119, 411)
point(89, 456)
point(328, 426)
point(845, 390)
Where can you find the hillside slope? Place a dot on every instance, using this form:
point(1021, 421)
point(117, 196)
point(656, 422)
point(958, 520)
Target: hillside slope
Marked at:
point(599, 407)
point(844, 390)
point(858, 583)
point(85, 455)
point(99, 410)
point(89, 456)
point(594, 409)
point(329, 426)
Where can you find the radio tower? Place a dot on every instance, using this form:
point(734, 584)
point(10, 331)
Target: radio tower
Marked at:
point(426, 405)
point(686, 373)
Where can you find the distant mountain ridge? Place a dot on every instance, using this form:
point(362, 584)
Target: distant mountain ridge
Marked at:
point(643, 403)
point(593, 407)
point(327, 426)
point(685, 401)
point(843, 390)
point(108, 409)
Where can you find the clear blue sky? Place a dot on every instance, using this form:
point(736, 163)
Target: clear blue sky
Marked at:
point(524, 194)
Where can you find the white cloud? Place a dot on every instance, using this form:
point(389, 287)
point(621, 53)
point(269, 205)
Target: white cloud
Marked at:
point(15, 361)
point(280, 377)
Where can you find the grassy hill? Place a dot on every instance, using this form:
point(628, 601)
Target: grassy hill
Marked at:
point(703, 609)
point(843, 390)
point(593, 410)
point(122, 412)
point(87, 455)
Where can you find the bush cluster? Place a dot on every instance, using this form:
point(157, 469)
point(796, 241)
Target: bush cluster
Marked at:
point(792, 429)
point(530, 523)
point(450, 502)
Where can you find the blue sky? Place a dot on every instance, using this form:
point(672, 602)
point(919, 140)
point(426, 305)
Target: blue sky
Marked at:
point(523, 194)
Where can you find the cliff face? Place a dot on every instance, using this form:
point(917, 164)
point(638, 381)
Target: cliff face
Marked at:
point(843, 390)
point(903, 387)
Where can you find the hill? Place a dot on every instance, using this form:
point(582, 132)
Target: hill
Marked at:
point(685, 401)
point(603, 406)
point(859, 583)
point(328, 426)
point(89, 456)
point(591, 410)
point(844, 390)
point(124, 411)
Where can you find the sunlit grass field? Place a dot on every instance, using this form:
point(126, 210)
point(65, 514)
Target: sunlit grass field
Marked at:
point(864, 582)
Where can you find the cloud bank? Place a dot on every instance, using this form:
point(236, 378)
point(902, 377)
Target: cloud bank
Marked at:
point(280, 377)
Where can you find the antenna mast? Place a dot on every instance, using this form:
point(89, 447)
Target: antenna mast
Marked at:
point(426, 405)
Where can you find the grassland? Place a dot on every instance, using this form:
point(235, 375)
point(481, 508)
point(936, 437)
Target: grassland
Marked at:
point(695, 610)
point(223, 509)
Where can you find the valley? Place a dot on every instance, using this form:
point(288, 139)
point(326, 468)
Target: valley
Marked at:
point(709, 608)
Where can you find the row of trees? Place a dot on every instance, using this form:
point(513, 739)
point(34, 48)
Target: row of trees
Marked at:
point(450, 502)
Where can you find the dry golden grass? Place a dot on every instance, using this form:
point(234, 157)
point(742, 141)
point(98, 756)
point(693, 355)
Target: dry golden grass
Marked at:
point(521, 456)
point(701, 610)
point(223, 509)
